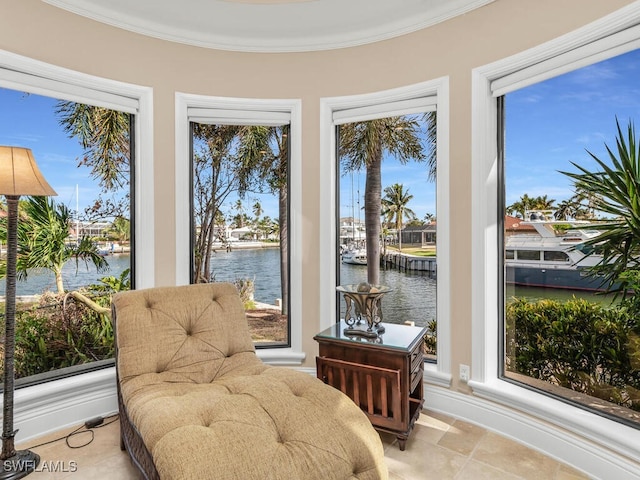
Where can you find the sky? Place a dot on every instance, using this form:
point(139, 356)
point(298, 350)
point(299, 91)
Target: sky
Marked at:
point(413, 176)
point(28, 120)
point(555, 122)
point(548, 125)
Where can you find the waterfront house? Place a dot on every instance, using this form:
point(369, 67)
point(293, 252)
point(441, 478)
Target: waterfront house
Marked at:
point(351, 230)
point(234, 60)
point(419, 235)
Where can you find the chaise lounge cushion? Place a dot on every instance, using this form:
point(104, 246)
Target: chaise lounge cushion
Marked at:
point(207, 407)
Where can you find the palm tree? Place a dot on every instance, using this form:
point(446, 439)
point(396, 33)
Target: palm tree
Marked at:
point(543, 203)
point(566, 209)
point(263, 154)
point(104, 134)
point(120, 229)
point(363, 144)
point(260, 165)
point(257, 210)
point(44, 241)
point(394, 208)
point(580, 206)
point(105, 137)
point(526, 203)
point(240, 216)
point(615, 191)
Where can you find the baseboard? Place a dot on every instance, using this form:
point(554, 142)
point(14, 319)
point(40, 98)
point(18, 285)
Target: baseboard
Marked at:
point(596, 461)
point(58, 404)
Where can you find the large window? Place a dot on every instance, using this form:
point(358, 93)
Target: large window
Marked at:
point(343, 223)
point(387, 216)
point(604, 447)
point(222, 203)
point(240, 184)
point(569, 185)
point(91, 220)
point(83, 248)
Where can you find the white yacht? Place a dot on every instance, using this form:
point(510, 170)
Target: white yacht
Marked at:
point(550, 256)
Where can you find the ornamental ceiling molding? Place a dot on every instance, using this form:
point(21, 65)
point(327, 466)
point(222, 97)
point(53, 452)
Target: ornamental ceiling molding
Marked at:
point(271, 26)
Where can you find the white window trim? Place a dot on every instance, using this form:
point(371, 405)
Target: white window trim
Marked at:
point(578, 426)
point(232, 109)
point(25, 74)
point(53, 405)
point(439, 373)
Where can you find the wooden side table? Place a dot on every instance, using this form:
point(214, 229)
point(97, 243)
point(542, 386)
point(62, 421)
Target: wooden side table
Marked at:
point(383, 375)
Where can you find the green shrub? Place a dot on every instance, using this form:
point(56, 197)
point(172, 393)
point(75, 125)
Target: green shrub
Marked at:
point(430, 338)
point(58, 333)
point(579, 345)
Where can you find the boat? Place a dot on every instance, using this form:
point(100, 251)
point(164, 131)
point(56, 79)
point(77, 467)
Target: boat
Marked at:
point(552, 257)
point(354, 256)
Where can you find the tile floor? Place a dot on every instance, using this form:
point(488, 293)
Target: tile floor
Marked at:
point(440, 447)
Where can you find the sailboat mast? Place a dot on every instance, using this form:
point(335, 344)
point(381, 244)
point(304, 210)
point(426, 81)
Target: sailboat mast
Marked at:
point(353, 213)
point(77, 215)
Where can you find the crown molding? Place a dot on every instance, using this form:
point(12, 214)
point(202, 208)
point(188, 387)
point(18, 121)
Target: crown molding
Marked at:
point(273, 26)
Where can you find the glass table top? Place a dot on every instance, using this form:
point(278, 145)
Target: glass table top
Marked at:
point(399, 337)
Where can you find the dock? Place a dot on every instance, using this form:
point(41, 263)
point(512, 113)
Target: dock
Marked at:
point(410, 262)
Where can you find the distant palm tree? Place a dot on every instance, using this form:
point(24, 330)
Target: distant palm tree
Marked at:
point(240, 217)
point(565, 210)
point(120, 229)
point(363, 144)
point(44, 241)
point(257, 209)
point(394, 208)
point(527, 203)
point(543, 203)
point(580, 206)
point(615, 191)
point(520, 207)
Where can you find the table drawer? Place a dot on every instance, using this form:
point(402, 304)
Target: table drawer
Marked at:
point(416, 376)
point(417, 358)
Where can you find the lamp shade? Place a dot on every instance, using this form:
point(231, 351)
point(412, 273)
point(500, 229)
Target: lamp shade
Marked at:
point(20, 175)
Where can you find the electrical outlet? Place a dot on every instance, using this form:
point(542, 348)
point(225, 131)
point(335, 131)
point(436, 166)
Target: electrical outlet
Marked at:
point(464, 372)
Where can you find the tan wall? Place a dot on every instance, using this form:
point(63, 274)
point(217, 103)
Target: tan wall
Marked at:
point(37, 30)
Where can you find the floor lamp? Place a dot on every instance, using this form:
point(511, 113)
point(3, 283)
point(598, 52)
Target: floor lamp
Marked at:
point(19, 175)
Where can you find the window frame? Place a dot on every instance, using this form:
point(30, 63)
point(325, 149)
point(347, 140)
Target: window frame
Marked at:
point(601, 39)
point(33, 76)
point(212, 109)
point(55, 402)
point(397, 101)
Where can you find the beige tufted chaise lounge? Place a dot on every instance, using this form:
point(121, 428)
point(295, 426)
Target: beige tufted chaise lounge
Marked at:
point(197, 403)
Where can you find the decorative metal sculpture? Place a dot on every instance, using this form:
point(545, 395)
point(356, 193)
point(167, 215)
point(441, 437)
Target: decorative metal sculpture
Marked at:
point(365, 299)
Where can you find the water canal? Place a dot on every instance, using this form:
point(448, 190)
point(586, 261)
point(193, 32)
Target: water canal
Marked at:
point(413, 295)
